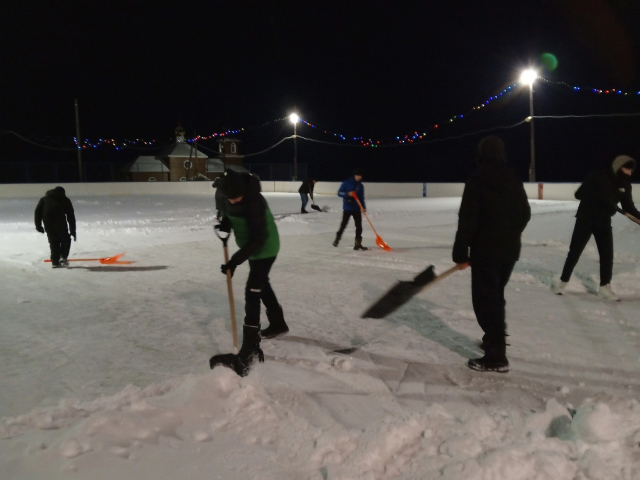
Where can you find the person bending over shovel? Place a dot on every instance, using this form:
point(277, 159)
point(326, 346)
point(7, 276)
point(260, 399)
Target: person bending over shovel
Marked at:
point(248, 215)
point(493, 214)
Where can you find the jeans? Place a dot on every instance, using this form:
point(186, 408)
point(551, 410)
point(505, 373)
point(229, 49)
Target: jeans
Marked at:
point(357, 218)
point(258, 289)
point(305, 199)
point(604, 241)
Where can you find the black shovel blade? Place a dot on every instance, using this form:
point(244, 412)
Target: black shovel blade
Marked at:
point(316, 207)
point(399, 294)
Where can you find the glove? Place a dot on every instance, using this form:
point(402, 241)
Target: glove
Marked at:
point(460, 253)
point(40, 228)
point(228, 267)
point(224, 225)
point(352, 194)
point(75, 238)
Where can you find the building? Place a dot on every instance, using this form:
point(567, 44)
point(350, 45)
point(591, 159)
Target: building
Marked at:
point(183, 161)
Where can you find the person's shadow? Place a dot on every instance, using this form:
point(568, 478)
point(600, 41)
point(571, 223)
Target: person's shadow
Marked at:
point(113, 268)
point(416, 314)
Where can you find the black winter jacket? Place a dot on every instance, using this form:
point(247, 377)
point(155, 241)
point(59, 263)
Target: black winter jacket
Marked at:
point(307, 187)
point(55, 211)
point(493, 214)
point(600, 194)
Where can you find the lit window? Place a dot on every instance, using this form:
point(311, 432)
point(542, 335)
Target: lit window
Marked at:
point(233, 148)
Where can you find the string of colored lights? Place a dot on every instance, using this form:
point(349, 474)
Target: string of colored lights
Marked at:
point(615, 91)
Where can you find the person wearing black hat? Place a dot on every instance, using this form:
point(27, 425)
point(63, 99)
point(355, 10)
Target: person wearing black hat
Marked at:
point(248, 215)
point(220, 200)
point(599, 196)
point(306, 190)
point(351, 188)
point(493, 214)
point(55, 210)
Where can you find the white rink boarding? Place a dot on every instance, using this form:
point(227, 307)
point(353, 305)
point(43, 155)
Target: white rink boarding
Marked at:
point(535, 191)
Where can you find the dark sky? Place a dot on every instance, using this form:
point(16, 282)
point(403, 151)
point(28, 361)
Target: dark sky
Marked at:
point(378, 69)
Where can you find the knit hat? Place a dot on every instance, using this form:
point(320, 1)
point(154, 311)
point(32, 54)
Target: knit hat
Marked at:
point(623, 161)
point(357, 171)
point(59, 190)
point(216, 182)
point(491, 148)
point(232, 184)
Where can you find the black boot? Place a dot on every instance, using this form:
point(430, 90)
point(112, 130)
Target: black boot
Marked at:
point(495, 357)
point(358, 244)
point(337, 240)
point(277, 325)
point(302, 210)
point(250, 350)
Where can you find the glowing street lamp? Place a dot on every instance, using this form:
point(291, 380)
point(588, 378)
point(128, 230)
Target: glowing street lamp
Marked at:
point(293, 118)
point(528, 77)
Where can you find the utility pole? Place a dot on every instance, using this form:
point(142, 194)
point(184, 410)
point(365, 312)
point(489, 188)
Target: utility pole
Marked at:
point(79, 142)
point(532, 165)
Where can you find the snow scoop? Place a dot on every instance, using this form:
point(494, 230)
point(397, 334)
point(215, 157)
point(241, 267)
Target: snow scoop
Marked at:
point(115, 260)
point(314, 206)
point(379, 242)
point(629, 216)
point(232, 306)
point(403, 291)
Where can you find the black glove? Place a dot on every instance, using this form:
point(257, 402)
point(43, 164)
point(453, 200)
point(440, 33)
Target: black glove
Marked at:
point(460, 253)
point(74, 236)
point(228, 267)
point(224, 225)
point(40, 228)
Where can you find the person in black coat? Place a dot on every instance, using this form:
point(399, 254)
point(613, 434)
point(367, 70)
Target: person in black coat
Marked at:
point(599, 196)
point(55, 210)
point(306, 190)
point(493, 214)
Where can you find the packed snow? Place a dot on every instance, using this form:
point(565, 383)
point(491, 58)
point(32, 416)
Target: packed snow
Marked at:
point(104, 368)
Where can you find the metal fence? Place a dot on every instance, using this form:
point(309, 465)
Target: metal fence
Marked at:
point(67, 172)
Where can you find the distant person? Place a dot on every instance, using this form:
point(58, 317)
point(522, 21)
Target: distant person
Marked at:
point(493, 214)
point(349, 190)
point(599, 196)
point(248, 215)
point(306, 190)
point(220, 200)
point(55, 210)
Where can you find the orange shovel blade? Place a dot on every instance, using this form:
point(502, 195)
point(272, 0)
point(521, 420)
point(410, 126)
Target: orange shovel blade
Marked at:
point(110, 260)
point(381, 243)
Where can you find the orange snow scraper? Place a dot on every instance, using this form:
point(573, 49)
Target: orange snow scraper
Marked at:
point(115, 260)
point(381, 243)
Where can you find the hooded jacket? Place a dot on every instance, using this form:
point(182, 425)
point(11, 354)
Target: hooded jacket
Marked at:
point(55, 211)
point(600, 194)
point(493, 214)
point(348, 203)
point(307, 187)
point(252, 222)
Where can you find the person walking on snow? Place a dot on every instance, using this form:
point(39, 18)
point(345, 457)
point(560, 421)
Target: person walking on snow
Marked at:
point(350, 189)
point(55, 210)
point(493, 214)
point(248, 215)
point(599, 196)
point(306, 190)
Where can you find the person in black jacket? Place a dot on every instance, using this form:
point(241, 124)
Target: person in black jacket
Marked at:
point(599, 196)
point(493, 214)
point(306, 190)
point(55, 210)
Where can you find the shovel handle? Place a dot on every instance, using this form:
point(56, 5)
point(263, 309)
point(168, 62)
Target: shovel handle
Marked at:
point(232, 305)
point(365, 214)
point(629, 216)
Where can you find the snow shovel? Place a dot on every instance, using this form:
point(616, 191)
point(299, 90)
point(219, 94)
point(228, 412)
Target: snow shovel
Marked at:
point(381, 243)
point(629, 216)
point(314, 206)
point(232, 306)
point(404, 291)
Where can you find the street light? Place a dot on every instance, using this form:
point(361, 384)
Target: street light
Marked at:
point(293, 118)
point(528, 77)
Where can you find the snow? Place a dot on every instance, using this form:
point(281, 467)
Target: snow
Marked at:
point(104, 368)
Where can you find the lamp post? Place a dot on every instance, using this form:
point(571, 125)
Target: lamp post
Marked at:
point(293, 118)
point(528, 77)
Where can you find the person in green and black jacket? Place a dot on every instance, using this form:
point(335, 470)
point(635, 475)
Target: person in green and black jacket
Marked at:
point(248, 215)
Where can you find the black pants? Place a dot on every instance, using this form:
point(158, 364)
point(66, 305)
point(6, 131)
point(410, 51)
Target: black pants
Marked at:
point(604, 241)
point(258, 289)
point(357, 217)
point(60, 244)
point(488, 280)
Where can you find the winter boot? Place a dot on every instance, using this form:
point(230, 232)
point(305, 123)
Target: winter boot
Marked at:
point(64, 262)
point(277, 325)
point(558, 286)
point(302, 210)
point(494, 360)
point(250, 350)
point(606, 293)
point(56, 264)
point(337, 240)
point(358, 244)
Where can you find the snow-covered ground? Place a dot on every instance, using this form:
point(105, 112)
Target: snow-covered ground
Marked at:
point(104, 369)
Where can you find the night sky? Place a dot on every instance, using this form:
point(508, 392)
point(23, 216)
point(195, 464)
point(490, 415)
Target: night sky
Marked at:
point(376, 69)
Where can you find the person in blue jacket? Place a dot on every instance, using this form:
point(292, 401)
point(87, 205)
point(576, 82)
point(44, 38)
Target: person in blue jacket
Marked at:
point(349, 189)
